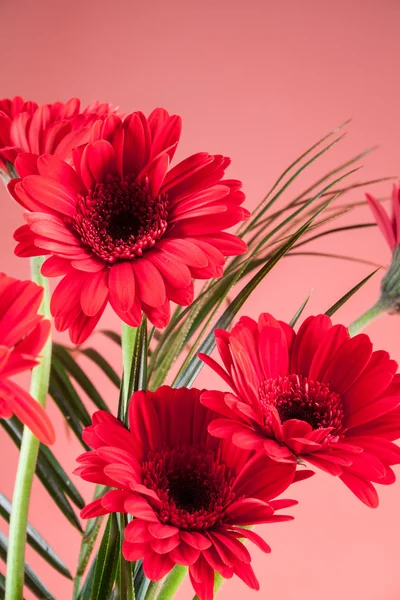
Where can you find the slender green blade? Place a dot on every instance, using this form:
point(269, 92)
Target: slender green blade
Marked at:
point(72, 367)
point(69, 393)
point(107, 561)
point(299, 312)
point(187, 376)
point(57, 393)
point(44, 473)
point(86, 591)
point(2, 585)
point(331, 311)
point(103, 364)
point(88, 541)
point(257, 213)
point(334, 230)
point(36, 541)
point(52, 466)
point(31, 580)
point(112, 336)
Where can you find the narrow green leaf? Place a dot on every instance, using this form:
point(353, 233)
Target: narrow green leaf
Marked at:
point(257, 213)
point(79, 375)
point(88, 541)
point(36, 541)
point(228, 282)
point(2, 585)
point(331, 311)
point(53, 467)
point(56, 391)
point(86, 591)
point(334, 230)
point(103, 364)
point(138, 375)
point(44, 473)
point(126, 582)
point(107, 561)
point(187, 376)
point(141, 582)
point(361, 261)
point(31, 580)
point(293, 177)
point(69, 393)
point(112, 335)
point(299, 311)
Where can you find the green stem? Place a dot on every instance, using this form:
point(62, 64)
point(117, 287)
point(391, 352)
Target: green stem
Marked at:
point(172, 583)
point(129, 335)
point(27, 460)
point(375, 311)
point(125, 587)
point(152, 590)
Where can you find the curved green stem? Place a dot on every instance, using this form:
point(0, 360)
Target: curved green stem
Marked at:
point(375, 311)
point(152, 590)
point(27, 460)
point(172, 583)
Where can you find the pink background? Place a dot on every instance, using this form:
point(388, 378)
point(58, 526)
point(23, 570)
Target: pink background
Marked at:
point(259, 81)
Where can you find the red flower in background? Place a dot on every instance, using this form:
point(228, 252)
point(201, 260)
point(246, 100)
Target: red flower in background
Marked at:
point(318, 395)
point(48, 129)
point(23, 334)
point(122, 227)
point(389, 226)
point(190, 493)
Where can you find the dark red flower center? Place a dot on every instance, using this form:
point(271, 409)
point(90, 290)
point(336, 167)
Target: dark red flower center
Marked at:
point(119, 220)
point(193, 484)
point(297, 397)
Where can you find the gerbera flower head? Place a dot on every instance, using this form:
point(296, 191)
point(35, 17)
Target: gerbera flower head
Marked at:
point(23, 333)
point(317, 395)
point(191, 494)
point(47, 129)
point(123, 228)
point(390, 229)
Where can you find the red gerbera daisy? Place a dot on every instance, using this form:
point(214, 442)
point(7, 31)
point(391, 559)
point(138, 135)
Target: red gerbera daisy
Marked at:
point(23, 334)
point(121, 228)
point(190, 493)
point(318, 395)
point(48, 129)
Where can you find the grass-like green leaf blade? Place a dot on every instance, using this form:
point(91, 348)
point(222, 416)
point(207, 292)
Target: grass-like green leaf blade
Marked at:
point(299, 312)
point(36, 541)
point(187, 376)
point(331, 311)
point(72, 367)
point(45, 474)
point(107, 561)
point(103, 364)
point(112, 336)
point(86, 590)
point(31, 580)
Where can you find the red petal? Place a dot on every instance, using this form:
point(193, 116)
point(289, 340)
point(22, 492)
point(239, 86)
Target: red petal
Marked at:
point(122, 286)
point(29, 412)
point(150, 284)
point(94, 292)
point(382, 220)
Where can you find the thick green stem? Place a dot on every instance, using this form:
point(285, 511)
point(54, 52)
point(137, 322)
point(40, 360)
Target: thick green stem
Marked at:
point(129, 335)
point(27, 461)
point(130, 340)
point(172, 583)
point(375, 311)
point(152, 590)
